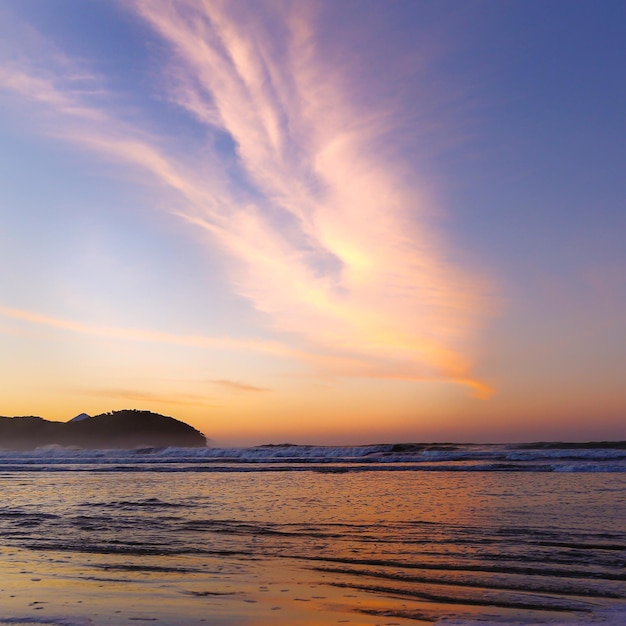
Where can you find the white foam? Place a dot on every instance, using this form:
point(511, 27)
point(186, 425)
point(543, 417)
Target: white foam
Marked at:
point(425, 458)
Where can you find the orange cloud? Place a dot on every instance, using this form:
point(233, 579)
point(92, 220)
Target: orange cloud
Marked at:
point(234, 385)
point(135, 334)
point(146, 396)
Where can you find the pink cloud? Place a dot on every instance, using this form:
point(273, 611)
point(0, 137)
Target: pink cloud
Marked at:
point(335, 246)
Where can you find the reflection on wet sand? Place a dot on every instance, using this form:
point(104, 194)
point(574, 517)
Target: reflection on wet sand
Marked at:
point(299, 549)
point(225, 591)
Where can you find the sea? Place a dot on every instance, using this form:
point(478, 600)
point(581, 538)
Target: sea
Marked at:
point(393, 534)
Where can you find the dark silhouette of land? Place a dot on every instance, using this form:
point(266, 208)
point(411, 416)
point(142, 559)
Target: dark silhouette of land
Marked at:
point(117, 429)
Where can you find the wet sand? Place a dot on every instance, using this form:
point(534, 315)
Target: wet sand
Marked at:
point(120, 548)
point(106, 590)
point(75, 591)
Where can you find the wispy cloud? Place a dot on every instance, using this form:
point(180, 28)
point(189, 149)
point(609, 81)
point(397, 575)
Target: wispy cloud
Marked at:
point(324, 236)
point(136, 334)
point(134, 395)
point(234, 385)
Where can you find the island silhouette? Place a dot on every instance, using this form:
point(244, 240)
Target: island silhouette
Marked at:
point(128, 428)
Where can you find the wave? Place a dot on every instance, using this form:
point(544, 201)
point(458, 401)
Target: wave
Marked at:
point(541, 457)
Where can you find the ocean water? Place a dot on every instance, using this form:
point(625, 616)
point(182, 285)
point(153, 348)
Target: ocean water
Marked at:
point(393, 534)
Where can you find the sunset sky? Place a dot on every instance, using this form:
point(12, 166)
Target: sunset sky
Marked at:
point(324, 222)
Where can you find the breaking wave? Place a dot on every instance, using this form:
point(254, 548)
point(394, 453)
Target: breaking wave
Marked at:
point(540, 457)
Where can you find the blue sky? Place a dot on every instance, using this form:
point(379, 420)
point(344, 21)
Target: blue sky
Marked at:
point(320, 221)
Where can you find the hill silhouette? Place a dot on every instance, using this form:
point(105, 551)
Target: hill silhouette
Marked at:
point(128, 428)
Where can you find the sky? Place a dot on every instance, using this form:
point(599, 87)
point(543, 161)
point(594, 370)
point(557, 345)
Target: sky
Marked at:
point(316, 222)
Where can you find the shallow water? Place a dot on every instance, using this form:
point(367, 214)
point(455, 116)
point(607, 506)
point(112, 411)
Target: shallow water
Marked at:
point(311, 547)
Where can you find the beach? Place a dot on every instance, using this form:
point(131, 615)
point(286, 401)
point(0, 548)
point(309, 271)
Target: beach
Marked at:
point(95, 538)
